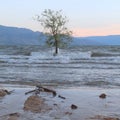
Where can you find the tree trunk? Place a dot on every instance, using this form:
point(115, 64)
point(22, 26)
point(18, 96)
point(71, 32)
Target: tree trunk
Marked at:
point(56, 47)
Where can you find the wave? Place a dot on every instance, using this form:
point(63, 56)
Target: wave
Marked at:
point(101, 54)
point(101, 83)
point(63, 57)
point(68, 56)
point(82, 66)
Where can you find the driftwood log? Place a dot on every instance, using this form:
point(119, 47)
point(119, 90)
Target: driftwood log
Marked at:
point(40, 88)
point(47, 90)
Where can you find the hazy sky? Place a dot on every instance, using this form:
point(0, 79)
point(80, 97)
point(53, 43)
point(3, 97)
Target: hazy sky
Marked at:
point(86, 17)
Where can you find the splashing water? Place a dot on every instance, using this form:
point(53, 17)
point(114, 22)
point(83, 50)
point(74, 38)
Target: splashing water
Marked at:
point(89, 66)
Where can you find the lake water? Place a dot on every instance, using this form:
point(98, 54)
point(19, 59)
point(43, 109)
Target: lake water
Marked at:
point(97, 66)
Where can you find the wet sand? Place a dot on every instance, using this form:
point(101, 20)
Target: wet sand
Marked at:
point(89, 105)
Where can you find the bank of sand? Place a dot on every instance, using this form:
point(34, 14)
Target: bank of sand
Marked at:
point(89, 105)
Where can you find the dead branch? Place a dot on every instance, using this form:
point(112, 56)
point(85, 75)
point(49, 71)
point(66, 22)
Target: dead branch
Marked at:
point(41, 89)
point(30, 92)
point(46, 90)
point(61, 97)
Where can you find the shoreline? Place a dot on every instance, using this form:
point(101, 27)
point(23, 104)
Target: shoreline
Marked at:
point(86, 98)
point(60, 84)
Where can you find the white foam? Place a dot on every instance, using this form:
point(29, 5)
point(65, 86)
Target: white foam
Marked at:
point(62, 57)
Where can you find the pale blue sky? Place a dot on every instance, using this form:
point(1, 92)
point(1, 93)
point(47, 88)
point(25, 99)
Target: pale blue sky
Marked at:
point(86, 17)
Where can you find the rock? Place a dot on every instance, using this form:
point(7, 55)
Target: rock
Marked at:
point(73, 106)
point(110, 118)
point(100, 117)
point(3, 92)
point(103, 95)
point(68, 113)
point(36, 104)
point(14, 116)
point(11, 116)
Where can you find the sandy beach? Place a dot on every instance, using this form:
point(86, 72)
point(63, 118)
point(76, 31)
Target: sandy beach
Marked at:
point(89, 105)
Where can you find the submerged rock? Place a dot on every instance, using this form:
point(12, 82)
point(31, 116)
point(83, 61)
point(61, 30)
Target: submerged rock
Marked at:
point(110, 118)
point(11, 116)
point(14, 116)
point(36, 104)
point(100, 117)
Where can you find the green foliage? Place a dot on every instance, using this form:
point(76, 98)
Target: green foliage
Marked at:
point(54, 24)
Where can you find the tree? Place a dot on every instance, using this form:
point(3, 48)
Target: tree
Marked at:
point(54, 24)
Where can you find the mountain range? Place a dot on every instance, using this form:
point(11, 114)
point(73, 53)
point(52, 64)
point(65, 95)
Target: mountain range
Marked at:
point(23, 36)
